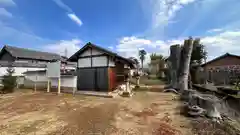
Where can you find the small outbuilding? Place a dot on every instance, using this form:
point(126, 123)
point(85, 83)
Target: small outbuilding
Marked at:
point(223, 69)
point(99, 69)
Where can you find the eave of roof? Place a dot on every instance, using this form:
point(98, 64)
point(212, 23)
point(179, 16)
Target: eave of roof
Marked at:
point(25, 53)
point(110, 53)
point(221, 57)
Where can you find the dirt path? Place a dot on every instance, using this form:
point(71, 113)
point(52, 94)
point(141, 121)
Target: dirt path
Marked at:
point(46, 113)
point(152, 113)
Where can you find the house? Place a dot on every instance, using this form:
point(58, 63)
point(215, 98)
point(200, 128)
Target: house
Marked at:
point(27, 60)
point(223, 68)
point(99, 69)
point(226, 61)
point(157, 67)
point(24, 60)
point(154, 66)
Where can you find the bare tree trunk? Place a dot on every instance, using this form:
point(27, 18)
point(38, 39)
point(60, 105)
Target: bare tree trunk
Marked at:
point(185, 64)
point(175, 51)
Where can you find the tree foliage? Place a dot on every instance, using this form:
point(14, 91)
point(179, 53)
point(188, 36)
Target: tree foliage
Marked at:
point(199, 56)
point(199, 53)
point(155, 56)
point(142, 56)
point(157, 63)
point(158, 59)
point(9, 81)
point(135, 61)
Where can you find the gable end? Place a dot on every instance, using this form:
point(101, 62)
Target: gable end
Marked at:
point(6, 56)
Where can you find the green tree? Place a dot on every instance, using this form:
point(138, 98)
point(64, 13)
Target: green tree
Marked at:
point(199, 53)
point(157, 62)
point(199, 56)
point(157, 58)
point(9, 81)
point(142, 54)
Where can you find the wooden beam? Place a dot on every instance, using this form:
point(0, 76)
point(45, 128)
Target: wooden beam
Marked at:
point(107, 61)
point(91, 57)
point(97, 55)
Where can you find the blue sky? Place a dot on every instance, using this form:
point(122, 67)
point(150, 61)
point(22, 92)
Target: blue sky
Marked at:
point(124, 26)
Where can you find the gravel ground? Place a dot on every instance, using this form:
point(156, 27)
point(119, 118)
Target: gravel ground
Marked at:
point(146, 113)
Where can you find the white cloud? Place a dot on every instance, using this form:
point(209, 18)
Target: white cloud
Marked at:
point(70, 13)
point(74, 18)
point(62, 5)
point(111, 47)
point(72, 46)
point(216, 45)
point(7, 2)
point(226, 41)
point(5, 13)
point(130, 46)
point(203, 11)
point(164, 10)
point(215, 30)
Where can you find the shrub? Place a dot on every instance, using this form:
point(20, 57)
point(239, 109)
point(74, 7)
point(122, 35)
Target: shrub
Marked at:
point(9, 81)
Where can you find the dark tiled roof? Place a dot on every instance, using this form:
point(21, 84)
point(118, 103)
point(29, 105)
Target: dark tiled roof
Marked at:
point(74, 56)
point(221, 57)
point(31, 54)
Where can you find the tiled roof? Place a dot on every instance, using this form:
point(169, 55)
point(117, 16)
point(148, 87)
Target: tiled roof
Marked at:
point(221, 57)
point(31, 54)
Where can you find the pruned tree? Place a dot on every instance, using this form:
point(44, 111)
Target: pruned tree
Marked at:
point(142, 54)
point(173, 65)
point(196, 102)
point(186, 54)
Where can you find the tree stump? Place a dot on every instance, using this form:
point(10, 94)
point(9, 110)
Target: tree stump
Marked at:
point(207, 102)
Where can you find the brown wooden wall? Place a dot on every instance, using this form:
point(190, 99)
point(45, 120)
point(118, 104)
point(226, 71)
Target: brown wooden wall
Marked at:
point(111, 79)
point(116, 75)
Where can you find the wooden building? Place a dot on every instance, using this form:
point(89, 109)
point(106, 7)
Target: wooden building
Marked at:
point(99, 69)
point(223, 69)
point(225, 61)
